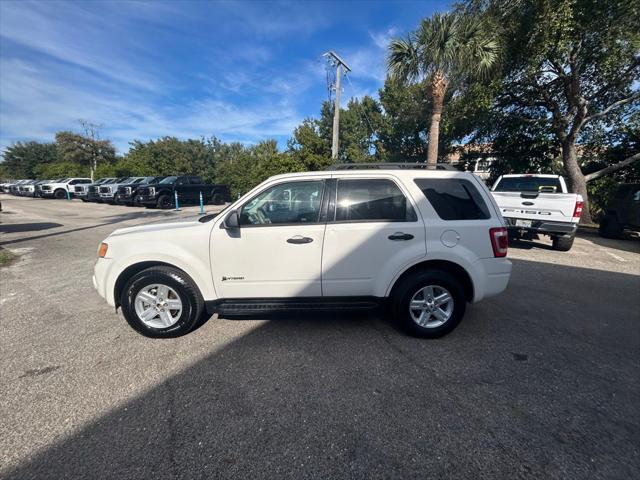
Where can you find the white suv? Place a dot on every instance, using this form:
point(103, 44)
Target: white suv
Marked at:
point(424, 243)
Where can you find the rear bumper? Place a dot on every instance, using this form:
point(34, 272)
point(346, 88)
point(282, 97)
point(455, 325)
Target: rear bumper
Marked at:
point(490, 277)
point(542, 226)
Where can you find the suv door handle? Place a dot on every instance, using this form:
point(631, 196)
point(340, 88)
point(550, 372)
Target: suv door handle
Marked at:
point(298, 239)
point(400, 236)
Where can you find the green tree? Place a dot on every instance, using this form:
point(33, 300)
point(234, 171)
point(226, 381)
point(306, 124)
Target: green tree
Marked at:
point(309, 147)
point(242, 168)
point(445, 51)
point(22, 159)
point(404, 123)
point(60, 170)
point(84, 150)
point(568, 65)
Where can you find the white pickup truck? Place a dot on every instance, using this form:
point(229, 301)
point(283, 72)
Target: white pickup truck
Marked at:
point(533, 205)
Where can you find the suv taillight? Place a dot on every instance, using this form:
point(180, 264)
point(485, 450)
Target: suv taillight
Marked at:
point(577, 212)
point(499, 241)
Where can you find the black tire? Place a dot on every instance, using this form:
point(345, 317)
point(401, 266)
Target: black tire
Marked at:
point(217, 199)
point(610, 227)
point(84, 200)
point(59, 194)
point(136, 201)
point(192, 302)
point(414, 283)
point(165, 202)
point(563, 243)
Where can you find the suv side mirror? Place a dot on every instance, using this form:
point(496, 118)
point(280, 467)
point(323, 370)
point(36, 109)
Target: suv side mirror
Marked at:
point(232, 220)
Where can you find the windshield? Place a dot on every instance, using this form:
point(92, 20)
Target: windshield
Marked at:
point(528, 184)
point(138, 180)
point(169, 180)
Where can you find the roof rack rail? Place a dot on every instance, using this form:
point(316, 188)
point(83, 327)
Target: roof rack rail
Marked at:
point(388, 166)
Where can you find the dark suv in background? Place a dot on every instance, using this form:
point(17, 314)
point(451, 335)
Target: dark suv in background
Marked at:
point(622, 212)
point(188, 188)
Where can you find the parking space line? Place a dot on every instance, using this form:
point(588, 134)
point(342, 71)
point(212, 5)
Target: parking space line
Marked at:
point(617, 257)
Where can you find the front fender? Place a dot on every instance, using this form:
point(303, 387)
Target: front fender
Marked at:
point(193, 265)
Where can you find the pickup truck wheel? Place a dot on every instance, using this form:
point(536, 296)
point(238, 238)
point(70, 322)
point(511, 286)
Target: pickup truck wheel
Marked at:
point(429, 304)
point(59, 194)
point(165, 201)
point(610, 227)
point(563, 243)
point(137, 201)
point(161, 302)
point(217, 199)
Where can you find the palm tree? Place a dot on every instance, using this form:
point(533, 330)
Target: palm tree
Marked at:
point(445, 48)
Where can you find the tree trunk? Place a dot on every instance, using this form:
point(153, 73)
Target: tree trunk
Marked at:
point(438, 88)
point(577, 182)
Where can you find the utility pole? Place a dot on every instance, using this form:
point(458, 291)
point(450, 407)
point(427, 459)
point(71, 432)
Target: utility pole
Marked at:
point(336, 61)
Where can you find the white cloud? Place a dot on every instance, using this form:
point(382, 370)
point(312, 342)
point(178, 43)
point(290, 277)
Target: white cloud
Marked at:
point(78, 37)
point(34, 101)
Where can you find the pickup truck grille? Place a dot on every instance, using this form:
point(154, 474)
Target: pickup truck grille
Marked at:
point(144, 191)
point(93, 189)
point(105, 189)
point(124, 190)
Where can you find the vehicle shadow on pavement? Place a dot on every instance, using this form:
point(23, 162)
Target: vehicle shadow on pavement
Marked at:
point(528, 244)
point(525, 387)
point(25, 227)
point(628, 242)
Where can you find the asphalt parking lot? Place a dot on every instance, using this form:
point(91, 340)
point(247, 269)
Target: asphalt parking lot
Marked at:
point(540, 382)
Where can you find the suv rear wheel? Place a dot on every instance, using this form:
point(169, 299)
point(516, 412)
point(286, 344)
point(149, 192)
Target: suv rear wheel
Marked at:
point(610, 227)
point(161, 302)
point(429, 304)
point(217, 199)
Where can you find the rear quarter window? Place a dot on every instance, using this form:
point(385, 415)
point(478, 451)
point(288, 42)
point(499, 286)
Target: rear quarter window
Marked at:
point(454, 198)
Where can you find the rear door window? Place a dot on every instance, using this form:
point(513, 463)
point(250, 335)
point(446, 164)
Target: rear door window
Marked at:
point(454, 198)
point(372, 200)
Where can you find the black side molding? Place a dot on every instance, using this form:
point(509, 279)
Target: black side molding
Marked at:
point(268, 306)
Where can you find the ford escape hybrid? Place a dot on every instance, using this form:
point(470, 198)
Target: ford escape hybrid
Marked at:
point(424, 243)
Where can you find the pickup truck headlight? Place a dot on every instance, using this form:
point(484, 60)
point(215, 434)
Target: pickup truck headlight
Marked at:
point(152, 191)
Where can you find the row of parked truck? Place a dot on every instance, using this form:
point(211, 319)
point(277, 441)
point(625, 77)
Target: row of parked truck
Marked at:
point(151, 192)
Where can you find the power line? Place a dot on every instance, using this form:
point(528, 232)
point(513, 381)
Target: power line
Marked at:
point(363, 112)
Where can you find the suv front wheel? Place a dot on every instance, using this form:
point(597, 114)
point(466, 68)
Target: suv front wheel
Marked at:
point(429, 304)
point(162, 302)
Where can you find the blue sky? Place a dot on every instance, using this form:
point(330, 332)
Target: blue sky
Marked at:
point(242, 71)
